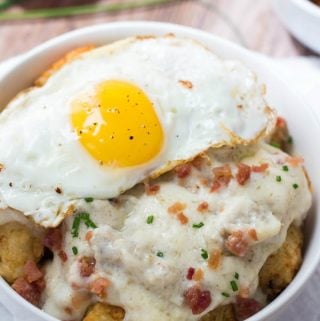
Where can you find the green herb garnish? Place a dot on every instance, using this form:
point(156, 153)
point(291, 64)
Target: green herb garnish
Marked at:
point(89, 199)
point(77, 10)
point(225, 294)
point(278, 178)
point(75, 226)
point(290, 140)
point(150, 219)
point(199, 225)
point(274, 144)
point(204, 254)
point(295, 186)
point(285, 168)
point(160, 254)
point(236, 276)
point(234, 286)
point(85, 217)
point(75, 250)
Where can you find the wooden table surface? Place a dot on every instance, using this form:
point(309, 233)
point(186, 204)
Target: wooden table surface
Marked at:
point(253, 23)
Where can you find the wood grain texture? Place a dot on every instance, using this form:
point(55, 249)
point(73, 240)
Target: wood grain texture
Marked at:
point(252, 23)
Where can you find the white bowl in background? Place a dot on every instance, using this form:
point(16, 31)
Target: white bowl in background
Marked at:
point(303, 124)
point(302, 18)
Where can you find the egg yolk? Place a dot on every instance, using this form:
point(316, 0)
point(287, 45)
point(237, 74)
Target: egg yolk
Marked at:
point(117, 124)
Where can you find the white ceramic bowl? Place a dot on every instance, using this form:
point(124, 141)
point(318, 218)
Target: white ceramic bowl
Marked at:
point(304, 126)
point(302, 18)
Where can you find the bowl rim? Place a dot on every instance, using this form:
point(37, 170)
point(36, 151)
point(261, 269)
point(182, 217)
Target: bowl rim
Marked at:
point(308, 6)
point(276, 306)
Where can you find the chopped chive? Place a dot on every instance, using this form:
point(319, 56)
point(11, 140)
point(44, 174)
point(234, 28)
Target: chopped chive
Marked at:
point(204, 254)
point(234, 286)
point(285, 168)
point(160, 254)
point(236, 276)
point(290, 140)
point(87, 220)
point(89, 199)
point(199, 225)
point(225, 294)
point(295, 186)
point(276, 145)
point(75, 226)
point(278, 178)
point(85, 217)
point(75, 250)
point(150, 219)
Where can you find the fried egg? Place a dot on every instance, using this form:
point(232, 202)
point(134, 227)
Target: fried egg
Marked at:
point(119, 114)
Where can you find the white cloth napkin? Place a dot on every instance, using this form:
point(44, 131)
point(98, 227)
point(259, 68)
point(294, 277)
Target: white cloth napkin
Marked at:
point(303, 76)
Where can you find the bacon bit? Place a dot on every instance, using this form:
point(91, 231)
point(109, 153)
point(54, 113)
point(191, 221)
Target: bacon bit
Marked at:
point(186, 83)
point(28, 291)
point(182, 218)
point(183, 170)
point(203, 207)
point(215, 186)
point(87, 265)
point(53, 239)
point(63, 256)
point(222, 177)
point(295, 161)
point(253, 234)
point(176, 208)
point(198, 275)
point(151, 189)
point(245, 308)
point(237, 243)
point(1, 167)
point(204, 181)
point(99, 286)
point(244, 292)
point(196, 299)
point(214, 259)
point(281, 122)
point(89, 236)
point(68, 310)
point(244, 172)
point(40, 284)
point(32, 272)
point(260, 169)
point(190, 273)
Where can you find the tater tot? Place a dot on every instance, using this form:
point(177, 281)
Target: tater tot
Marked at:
point(104, 312)
point(17, 246)
point(282, 266)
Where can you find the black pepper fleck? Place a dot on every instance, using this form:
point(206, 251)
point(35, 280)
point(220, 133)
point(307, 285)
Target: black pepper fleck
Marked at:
point(58, 190)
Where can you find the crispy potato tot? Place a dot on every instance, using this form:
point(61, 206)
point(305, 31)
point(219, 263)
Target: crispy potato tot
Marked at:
point(104, 312)
point(17, 246)
point(70, 56)
point(222, 313)
point(282, 266)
